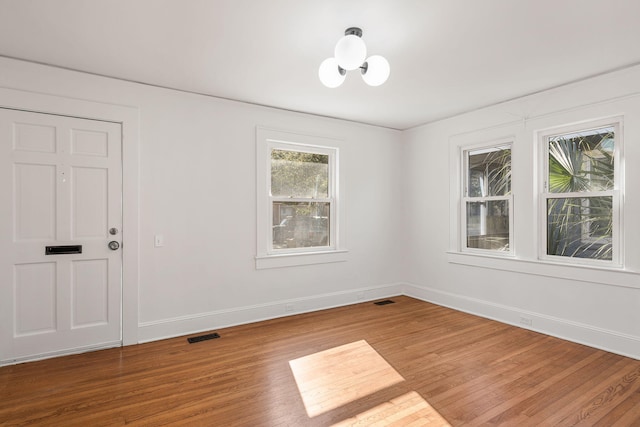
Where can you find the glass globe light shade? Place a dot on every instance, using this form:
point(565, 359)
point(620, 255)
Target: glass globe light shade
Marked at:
point(329, 74)
point(377, 70)
point(350, 52)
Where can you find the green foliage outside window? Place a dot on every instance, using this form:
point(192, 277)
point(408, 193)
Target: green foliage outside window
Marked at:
point(299, 175)
point(581, 224)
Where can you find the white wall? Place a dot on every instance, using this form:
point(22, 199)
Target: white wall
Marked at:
point(198, 189)
point(597, 307)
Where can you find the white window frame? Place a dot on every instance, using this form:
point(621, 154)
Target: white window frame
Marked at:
point(267, 256)
point(464, 156)
point(543, 137)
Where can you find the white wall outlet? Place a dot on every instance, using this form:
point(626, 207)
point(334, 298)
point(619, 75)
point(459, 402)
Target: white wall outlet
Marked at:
point(527, 321)
point(158, 240)
point(288, 308)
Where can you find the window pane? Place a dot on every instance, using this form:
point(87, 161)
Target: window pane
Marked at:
point(300, 224)
point(580, 227)
point(488, 225)
point(582, 161)
point(489, 172)
point(297, 174)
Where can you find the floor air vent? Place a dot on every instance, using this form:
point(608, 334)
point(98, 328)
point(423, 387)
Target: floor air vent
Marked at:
point(203, 337)
point(384, 302)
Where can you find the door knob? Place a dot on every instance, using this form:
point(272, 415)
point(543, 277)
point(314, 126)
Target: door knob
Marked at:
point(113, 245)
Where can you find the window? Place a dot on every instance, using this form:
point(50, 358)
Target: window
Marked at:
point(297, 199)
point(487, 201)
point(300, 197)
point(580, 201)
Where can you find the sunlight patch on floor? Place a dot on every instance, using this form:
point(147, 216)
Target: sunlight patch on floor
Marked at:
point(407, 410)
point(332, 378)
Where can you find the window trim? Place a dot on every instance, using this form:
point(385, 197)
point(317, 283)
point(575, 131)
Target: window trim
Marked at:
point(542, 139)
point(268, 257)
point(584, 273)
point(464, 198)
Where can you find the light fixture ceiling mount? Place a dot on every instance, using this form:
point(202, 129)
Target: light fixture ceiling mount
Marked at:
point(355, 31)
point(351, 53)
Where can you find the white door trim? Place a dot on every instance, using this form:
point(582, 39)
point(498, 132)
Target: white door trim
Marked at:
point(128, 117)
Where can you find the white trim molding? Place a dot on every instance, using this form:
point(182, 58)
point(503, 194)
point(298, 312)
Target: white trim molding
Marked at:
point(129, 119)
point(266, 255)
point(608, 340)
point(604, 339)
point(179, 326)
point(584, 273)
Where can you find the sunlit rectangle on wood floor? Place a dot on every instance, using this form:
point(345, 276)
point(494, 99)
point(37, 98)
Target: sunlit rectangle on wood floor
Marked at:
point(407, 410)
point(331, 378)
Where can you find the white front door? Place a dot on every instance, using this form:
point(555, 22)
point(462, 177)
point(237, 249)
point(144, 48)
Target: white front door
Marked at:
point(60, 207)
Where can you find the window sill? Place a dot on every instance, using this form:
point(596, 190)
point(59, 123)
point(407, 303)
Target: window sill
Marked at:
point(306, 258)
point(583, 273)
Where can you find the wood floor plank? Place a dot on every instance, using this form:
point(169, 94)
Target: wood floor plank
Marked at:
point(624, 415)
point(470, 371)
point(557, 400)
point(611, 403)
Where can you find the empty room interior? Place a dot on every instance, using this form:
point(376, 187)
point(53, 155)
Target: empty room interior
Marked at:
point(335, 213)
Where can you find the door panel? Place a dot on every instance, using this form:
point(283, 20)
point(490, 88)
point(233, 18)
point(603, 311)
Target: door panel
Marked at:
point(60, 184)
point(33, 137)
point(35, 202)
point(35, 298)
point(90, 220)
point(90, 293)
point(90, 143)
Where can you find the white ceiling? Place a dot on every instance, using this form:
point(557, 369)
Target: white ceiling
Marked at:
point(446, 56)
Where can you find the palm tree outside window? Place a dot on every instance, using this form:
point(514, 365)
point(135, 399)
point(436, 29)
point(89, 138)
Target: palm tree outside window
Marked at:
point(581, 197)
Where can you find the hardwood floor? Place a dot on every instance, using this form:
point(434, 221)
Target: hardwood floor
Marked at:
point(471, 371)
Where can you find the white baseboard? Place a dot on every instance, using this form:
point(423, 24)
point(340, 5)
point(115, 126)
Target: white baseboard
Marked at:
point(178, 326)
point(611, 341)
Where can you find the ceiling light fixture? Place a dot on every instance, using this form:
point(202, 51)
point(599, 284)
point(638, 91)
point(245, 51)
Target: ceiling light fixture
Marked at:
point(350, 54)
